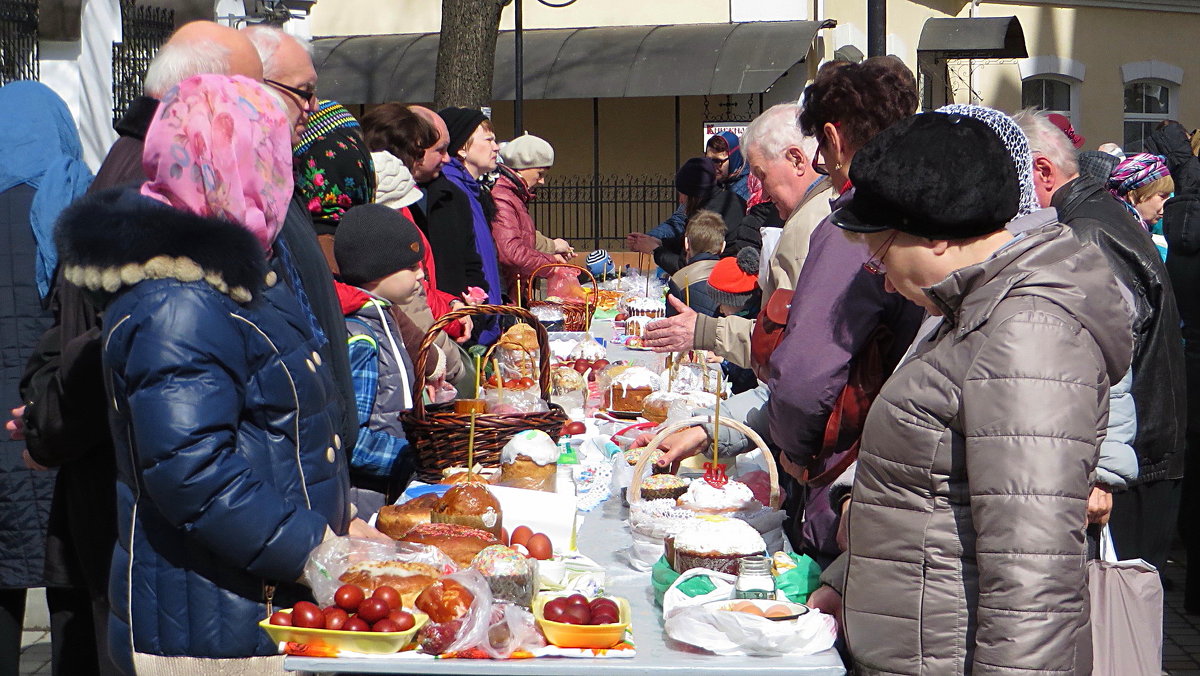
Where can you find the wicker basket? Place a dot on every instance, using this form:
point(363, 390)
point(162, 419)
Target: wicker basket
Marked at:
point(577, 315)
point(440, 436)
point(643, 464)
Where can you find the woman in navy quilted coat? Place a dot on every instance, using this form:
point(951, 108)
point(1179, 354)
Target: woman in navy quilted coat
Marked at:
point(230, 468)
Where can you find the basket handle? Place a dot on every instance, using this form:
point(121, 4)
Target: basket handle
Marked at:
point(589, 303)
point(635, 426)
point(481, 311)
point(639, 471)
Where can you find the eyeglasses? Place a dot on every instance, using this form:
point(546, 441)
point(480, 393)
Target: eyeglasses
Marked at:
point(718, 161)
point(307, 95)
point(875, 264)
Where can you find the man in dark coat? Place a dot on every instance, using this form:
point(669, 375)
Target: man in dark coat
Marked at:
point(1143, 516)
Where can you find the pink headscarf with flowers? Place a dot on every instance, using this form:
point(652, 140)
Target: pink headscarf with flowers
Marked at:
point(220, 146)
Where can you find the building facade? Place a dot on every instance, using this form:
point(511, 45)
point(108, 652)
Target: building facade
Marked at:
point(1115, 67)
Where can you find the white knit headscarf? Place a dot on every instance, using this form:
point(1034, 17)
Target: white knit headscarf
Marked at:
point(1014, 140)
point(395, 186)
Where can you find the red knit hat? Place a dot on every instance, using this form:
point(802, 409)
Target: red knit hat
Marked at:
point(733, 279)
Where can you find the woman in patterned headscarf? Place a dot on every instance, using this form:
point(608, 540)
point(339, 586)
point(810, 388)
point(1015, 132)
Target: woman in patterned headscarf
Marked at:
point(334, 171)
point(1143, 183)
point(230, 470)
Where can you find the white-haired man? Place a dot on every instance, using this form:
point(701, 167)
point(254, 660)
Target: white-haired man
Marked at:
point(781, 157)
point(288, 67)
point(1143, 516)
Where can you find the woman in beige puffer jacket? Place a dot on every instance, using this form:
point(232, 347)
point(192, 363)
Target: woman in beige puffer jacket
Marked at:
point(966, 529)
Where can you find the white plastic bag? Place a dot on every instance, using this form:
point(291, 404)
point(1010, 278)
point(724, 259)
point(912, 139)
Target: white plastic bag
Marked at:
point(332, 557)
point(732, 633)
point(675, 601)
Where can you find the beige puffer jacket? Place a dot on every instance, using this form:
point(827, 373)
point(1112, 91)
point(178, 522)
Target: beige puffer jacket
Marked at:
point(966, 549)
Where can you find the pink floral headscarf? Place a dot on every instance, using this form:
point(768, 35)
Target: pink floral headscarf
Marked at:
point(220, 146)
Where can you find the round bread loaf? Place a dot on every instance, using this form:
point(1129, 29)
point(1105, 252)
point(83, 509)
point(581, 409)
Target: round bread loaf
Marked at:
point(469, 504)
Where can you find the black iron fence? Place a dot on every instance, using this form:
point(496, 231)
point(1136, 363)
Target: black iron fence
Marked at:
point(18, 40)
point(600, 212)
point(143, 30)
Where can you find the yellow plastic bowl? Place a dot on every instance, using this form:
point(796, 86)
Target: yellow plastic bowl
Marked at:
point(566, 635)
point(375, 642)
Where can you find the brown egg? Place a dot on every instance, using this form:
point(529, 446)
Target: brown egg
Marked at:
point(540, 547)
point(746, 607)
point(777, 611)
point(520, 536)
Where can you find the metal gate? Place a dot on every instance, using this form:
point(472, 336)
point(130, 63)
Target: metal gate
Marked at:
point(143, 30)
point(599, 212)
point(18, 40)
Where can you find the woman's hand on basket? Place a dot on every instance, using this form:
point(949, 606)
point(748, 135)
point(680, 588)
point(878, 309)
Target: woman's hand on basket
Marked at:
point(678, 446)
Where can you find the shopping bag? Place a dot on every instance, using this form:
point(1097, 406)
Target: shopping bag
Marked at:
point(681, 595)
point(1127, 614)
point(733, 633)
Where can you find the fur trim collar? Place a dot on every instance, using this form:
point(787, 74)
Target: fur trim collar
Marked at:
point(117, 238)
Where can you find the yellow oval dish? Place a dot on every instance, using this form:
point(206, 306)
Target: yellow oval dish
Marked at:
point(566, 635)
point(374, 642)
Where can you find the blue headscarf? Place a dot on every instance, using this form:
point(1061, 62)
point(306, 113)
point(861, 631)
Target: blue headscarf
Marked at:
point(40, 146)
point(736, 165)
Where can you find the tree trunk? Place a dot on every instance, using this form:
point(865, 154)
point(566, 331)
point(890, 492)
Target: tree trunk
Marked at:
point(467, 53)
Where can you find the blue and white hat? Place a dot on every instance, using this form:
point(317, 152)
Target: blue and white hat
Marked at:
point(600, 263)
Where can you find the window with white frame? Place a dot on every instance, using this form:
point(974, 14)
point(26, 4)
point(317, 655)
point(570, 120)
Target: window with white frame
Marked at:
point(1052, 83)
point(1048, 93)
point(1147, 103)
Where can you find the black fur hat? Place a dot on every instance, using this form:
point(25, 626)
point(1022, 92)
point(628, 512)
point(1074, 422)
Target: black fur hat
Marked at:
point(934, 175)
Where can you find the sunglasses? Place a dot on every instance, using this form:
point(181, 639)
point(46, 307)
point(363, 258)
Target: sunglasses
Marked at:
point(875, 264)
point(306, 95)
point(818, 163)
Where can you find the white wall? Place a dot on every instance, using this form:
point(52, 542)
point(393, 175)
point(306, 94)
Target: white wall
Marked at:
point(101, 28)
point(768, 10)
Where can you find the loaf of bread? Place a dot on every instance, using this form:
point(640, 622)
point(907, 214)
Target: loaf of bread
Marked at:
point(469, 504)
point(410, 579)
point(460, 543)
point(396, 520)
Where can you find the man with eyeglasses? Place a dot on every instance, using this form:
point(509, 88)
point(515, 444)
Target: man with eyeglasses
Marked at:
point(288, 69)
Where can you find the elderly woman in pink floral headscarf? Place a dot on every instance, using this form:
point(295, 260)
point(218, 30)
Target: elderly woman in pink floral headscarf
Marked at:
point(230, 468)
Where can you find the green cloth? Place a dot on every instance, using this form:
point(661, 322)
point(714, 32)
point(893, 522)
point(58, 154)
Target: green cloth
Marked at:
point(662, 576)
point(800, 581)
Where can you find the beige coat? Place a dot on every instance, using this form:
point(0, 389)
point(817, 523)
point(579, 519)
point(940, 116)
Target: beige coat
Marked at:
point(730, 336)
point(966, 530)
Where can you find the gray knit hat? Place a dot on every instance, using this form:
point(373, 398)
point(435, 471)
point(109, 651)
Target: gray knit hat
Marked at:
point(373, 241)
